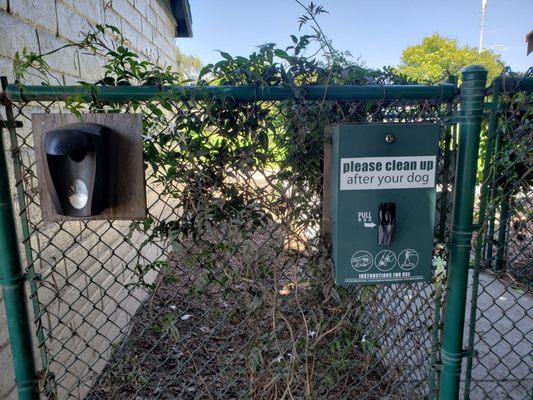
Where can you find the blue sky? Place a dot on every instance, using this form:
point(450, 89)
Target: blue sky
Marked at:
point(375, 30)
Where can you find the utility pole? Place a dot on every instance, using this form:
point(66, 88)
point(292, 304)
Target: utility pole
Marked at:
point(482, 25)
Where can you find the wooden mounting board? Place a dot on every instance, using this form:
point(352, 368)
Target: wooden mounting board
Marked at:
point(126, 168)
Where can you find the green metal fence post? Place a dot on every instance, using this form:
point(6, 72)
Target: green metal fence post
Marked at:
point(488, 168)
point(12, 280)
point(25, 227)
point(470, 117)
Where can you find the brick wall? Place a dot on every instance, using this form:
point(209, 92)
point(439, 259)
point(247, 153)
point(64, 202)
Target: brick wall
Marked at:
point(44, 25)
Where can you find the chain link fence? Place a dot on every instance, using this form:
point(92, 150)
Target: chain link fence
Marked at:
point(225, 290)
point(501, 326)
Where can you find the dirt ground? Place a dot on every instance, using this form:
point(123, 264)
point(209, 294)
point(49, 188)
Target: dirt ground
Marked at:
point(243, 321)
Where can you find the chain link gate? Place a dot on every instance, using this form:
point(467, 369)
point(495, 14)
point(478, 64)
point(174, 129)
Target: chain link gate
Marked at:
point(225, 291)
point(501, 323)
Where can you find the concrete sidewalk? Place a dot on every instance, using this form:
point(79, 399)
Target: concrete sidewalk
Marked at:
point(503, 358)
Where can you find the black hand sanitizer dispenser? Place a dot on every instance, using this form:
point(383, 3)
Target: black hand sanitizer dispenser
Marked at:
point(76, 168)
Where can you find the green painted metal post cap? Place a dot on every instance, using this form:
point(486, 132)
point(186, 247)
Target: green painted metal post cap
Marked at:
point(475, 68)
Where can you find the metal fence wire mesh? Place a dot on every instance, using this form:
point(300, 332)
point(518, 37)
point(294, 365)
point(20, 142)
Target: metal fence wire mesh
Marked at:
point(501, 328)
point(225, 290)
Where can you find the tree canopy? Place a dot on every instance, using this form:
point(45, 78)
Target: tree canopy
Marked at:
point(438, 57)
point(189, 66)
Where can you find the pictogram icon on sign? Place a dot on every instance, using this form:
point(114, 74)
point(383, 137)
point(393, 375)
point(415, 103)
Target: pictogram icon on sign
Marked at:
point(385, 260)
point(408, 259)
point(361, 260)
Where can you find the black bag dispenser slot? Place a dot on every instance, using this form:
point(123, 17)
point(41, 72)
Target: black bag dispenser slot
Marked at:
point(387, 223)
point(76, 168)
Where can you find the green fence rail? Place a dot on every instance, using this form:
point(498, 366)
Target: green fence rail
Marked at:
point(444, 92)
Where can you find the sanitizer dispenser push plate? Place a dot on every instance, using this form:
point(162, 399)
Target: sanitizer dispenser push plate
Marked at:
point(382, 202)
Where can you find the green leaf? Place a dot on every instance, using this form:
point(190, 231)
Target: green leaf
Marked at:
point(281, 54)
point(167, 106)
point(226, 55)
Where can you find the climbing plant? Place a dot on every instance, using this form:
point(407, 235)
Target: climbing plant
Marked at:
point(200, 143)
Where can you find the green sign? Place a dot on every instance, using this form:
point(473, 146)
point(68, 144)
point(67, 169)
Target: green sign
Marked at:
point(382, 202)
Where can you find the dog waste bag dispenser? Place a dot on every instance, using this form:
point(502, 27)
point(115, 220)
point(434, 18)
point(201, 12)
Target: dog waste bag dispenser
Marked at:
point(76, 168)
point(382, 202)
